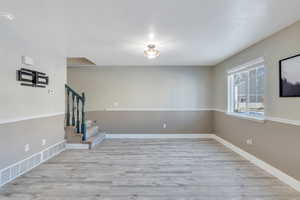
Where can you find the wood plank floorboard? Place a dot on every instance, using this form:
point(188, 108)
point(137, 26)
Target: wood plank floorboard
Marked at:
point(149, 169)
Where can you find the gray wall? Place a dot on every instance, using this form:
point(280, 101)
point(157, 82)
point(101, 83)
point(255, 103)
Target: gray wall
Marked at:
point(16, 135)
point(152, 121)
point(139, 99)
point(143, 87)
point(276, 143)
point(283, 44)
point(42, 39)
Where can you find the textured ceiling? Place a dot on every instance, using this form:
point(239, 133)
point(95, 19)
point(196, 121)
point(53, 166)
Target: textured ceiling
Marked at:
point(191, 32)
point(116, 32)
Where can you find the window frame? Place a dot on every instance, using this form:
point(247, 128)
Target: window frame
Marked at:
point(247, 67)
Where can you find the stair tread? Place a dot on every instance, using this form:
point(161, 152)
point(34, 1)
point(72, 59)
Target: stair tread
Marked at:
point(97, 135)
point(75, 135)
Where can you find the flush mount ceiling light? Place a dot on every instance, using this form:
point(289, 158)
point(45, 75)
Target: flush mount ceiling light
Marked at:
point(7, 15)
point(151, 52)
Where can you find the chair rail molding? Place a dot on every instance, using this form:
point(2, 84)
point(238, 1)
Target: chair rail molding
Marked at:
point(266, 118)
point(31, 117)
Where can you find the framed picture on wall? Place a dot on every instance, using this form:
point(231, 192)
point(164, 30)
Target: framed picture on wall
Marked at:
point(289, 72)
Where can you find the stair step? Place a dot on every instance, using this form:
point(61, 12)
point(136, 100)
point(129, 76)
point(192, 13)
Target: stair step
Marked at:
point(77, 146)
point(93, 135)
point(96, 139)
point(72, 136)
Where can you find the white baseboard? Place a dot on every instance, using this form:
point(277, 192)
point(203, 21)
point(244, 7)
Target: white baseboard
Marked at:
point(155, 109)
point(77, 146)
point(294, 183)
point(149, 136)
point(19, 168)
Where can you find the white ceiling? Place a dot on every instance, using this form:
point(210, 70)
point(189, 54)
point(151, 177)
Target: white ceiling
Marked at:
point(187, 32)
point(190, 32)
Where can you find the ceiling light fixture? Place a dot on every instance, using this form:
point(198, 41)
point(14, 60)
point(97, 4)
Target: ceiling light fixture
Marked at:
point(151, 52)
point(7, 15)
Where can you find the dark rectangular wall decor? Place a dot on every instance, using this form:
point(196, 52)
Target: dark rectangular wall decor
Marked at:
point(289, 76)
point(32, 78)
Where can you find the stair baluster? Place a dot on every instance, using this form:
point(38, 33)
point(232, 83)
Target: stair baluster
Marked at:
point(68, 108)
point(73, 109)
point(83, 127)
point(77, 116)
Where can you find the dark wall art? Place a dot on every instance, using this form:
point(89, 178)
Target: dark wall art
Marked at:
point(289, 72)
point(32, 78)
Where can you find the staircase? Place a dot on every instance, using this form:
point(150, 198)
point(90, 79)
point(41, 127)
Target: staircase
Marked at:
point(80, 133)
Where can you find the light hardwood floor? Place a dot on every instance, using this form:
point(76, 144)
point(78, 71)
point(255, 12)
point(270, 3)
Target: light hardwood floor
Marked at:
point(150, 169)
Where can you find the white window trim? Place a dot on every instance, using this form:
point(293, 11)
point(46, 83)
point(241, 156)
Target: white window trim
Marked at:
point(247, 66)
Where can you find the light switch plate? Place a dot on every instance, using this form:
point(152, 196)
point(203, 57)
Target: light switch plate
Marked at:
point(43, 142)
point(164, 125)
point(249, 141)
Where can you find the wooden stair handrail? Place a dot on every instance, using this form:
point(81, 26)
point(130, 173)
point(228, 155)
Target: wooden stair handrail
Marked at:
point(73, 92)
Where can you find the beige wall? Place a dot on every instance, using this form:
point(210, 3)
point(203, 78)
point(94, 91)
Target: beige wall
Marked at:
point(42, 39)
point(276, 143)
point(145, 96)
point(15, 135)
point(143, 87)
point(152, 121)
point(283, 44)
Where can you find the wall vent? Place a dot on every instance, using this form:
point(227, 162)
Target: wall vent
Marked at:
point(15, 170)
point(5, 175)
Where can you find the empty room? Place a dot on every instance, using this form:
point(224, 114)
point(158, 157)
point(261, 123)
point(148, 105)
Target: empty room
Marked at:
point(150, 100)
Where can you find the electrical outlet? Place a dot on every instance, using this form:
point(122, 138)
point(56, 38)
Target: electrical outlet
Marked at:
point(249, 141)
point(51, 92)
point(26, 147)
point(43, 142)
point(165, 125)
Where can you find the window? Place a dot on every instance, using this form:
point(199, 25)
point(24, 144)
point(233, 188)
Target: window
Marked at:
point(246, 89)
